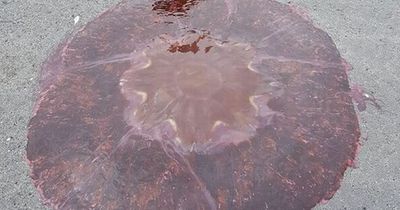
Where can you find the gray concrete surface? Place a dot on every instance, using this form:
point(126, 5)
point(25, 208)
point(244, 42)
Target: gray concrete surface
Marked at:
point(367, 32)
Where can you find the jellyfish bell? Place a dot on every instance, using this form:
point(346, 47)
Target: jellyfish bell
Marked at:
point(193, 105)
point(197, 92)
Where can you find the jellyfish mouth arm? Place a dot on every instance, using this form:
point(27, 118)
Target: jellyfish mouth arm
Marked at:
point(223, 137)
point(219, 146)
point(361, 98)
point(126, 141)
point(232, 8)
point(283, 59)
point(288, 27)
point(137, 60)
point(264, 114)
point(170, 148)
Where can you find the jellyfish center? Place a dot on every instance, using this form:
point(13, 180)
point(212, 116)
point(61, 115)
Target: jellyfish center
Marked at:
point(200, 100)
point(198, 80)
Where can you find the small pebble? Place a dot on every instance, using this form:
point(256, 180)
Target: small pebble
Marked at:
point(76, 19)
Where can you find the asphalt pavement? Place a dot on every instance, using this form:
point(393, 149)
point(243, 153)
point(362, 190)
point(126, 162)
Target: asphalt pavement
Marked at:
point(366, 32)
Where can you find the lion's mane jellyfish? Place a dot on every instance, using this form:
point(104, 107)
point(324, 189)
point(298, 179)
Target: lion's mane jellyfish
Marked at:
point(193, 105)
